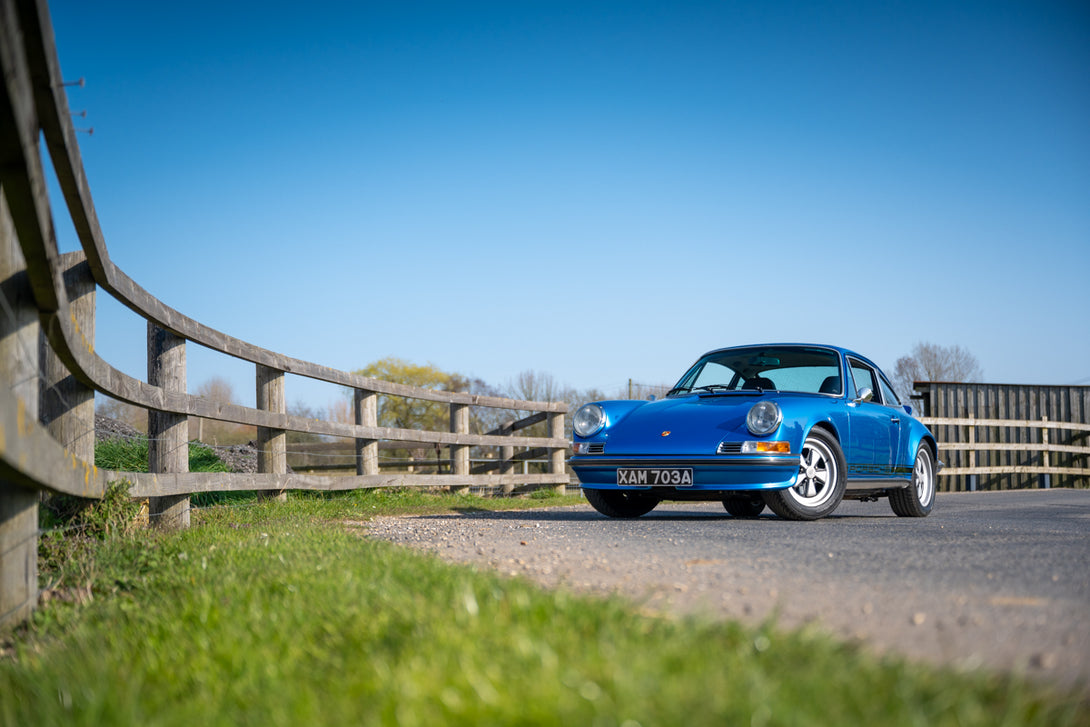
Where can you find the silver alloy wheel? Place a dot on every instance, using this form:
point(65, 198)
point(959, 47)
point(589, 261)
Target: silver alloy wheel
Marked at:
point(923, 478)
point(816, 481)
point(917, 499)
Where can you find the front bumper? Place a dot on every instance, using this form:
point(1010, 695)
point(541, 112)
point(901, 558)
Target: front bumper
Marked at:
point(720, 472)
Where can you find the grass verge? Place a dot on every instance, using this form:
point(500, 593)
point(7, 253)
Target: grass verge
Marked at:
point(276, 614)
point(131, 455)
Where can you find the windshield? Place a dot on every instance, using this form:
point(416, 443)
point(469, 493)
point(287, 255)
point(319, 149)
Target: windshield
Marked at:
point(768, 368)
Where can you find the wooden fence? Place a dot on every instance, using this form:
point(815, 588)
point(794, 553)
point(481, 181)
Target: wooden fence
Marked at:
point(338, 459)
point(49, 371)
point(1006, 436)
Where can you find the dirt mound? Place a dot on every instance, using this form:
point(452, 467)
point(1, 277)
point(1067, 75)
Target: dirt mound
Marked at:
point(107, 428)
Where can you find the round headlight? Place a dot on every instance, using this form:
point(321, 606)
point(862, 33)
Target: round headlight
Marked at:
point(589, 420)
point(764, 417)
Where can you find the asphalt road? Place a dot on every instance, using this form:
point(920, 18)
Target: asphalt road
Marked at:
point(994, 580)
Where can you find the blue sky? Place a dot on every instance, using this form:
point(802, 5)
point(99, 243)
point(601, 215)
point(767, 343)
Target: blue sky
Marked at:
point(597, 191)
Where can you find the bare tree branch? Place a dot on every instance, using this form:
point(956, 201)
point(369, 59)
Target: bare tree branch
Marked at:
point(933, 362)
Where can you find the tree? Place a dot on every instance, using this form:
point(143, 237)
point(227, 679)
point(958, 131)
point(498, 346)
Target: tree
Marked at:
point(403, 413)
point(406, 413)
point(932, 362)
point(536, 386)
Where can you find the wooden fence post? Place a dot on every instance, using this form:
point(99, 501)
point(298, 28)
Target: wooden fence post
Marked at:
point(507, 467)
point(459, 453)
point(1046, 478)
point(366, 415)
point(556, 456)
point(272, 444)
point(972, 455)
point(67, 406)
point(19, 332)
point(168, 433)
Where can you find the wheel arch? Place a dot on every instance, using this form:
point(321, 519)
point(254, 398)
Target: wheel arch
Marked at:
point(828, 427)
point(934, 447)
point(924, 438)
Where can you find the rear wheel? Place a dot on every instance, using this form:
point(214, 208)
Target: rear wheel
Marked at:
point(744, 505)
point(819, 485)
point(917, 499)
point(620, 503)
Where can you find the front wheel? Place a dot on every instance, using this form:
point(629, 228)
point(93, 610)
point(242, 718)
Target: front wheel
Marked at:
point(917, 499)
point(819, 485)
point(619, 503)
point(744, 505)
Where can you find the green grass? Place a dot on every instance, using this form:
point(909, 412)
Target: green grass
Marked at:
point(281, 614)
point(132, 456)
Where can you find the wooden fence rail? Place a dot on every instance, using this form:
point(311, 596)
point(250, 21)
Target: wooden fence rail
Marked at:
point(49, 370)
point(972, 441)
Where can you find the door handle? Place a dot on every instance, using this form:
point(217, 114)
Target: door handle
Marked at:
point(895, 420)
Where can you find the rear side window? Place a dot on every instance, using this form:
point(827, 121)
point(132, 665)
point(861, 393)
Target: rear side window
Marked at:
point(888, 395)
point(864, 378)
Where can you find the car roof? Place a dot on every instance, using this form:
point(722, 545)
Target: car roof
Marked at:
point(839, 349)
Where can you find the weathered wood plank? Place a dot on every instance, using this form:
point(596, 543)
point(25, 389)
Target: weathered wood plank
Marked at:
point(168, 433)
point(459, 455)
point(557, 456)
point(1017, 423)
point(272, 444)
point(509, 460)
point(86, 365)
point(365, 412)
point(31, 458)
point(1002, 447)
point(160, 485)
point(67, 406)
point(19, 382)
point(508, 427)
point(1017, 470)
point(21, 171)
point(96, 372)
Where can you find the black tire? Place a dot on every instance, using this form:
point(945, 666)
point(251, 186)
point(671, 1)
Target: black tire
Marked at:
point(620, 503)
point(820, 484)
point(750, 505)
point(918, 498)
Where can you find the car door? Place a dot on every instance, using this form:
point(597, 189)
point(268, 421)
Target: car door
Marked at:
point(874, 428)
point(903, 460)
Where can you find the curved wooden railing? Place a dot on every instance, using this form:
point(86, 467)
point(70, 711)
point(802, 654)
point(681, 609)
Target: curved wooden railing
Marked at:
point(45, 295)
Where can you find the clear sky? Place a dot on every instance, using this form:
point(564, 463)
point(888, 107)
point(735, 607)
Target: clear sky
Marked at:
point(594, 190)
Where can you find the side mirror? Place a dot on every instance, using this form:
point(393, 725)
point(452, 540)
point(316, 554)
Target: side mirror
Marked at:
point(863, 395)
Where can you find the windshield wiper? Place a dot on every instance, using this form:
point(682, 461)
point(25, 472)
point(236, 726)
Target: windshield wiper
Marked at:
point(711, 388)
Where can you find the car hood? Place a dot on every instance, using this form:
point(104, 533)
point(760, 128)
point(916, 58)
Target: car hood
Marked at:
point(682, 425)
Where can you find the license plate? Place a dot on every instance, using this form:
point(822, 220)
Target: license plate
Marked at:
point(654, 476)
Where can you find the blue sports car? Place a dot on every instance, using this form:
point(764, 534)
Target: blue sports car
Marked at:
point(793, 427)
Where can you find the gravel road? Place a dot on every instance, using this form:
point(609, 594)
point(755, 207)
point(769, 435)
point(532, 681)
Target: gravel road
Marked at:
point(996, 580)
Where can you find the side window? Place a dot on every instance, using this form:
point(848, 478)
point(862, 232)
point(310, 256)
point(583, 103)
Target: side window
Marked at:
point(889, 398)
point(864, 378)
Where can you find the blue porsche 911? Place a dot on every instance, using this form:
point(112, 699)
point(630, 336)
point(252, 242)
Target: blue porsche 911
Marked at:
point(793, 427)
